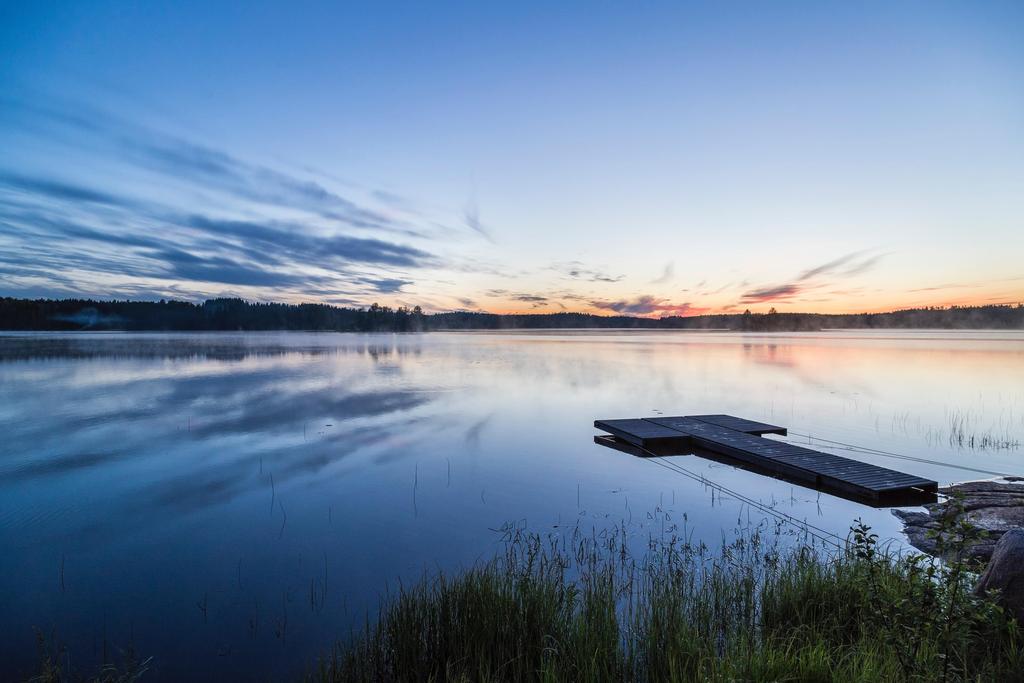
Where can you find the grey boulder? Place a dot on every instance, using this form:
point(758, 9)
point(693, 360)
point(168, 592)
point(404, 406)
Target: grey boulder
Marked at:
point(1005, 572)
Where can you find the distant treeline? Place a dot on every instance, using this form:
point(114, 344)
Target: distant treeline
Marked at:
point(236, 314)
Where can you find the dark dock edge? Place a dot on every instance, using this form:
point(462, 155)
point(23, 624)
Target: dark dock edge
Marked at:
point(740, 442)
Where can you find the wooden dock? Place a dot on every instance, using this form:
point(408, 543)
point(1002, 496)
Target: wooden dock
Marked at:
point(742, 441)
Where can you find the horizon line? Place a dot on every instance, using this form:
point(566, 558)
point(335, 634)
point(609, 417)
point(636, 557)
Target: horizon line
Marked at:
point(772, 311)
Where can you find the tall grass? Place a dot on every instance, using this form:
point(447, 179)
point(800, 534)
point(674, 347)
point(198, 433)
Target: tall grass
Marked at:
point(584, 608)
point(995, 428)
point(964, 432)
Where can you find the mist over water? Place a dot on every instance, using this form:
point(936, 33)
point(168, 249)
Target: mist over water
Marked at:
point(232, 504)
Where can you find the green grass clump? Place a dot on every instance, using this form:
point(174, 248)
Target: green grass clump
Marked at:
point(584, 609)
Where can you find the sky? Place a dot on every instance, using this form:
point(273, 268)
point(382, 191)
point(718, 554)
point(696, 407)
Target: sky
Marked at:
point(655, 158)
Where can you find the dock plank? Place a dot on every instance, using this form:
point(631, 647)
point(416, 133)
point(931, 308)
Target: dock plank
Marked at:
point(639, 432)
point(741, 425)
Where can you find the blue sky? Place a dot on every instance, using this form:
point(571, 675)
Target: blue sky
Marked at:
point(652, 158)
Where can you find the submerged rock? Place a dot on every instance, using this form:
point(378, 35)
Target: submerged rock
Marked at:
point(1005, 573)
point(996, 507)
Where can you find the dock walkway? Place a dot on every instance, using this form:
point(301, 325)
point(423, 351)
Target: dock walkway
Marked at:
point(743, 440)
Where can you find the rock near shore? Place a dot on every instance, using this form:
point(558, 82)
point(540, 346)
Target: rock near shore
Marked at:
point(996, 507)
point(1005, 573)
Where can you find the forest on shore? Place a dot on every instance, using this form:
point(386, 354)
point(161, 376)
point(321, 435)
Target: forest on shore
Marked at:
point(241, 315)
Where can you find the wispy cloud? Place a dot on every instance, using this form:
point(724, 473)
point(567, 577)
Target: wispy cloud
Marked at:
point(300, 243)
point(666, 275)
point(535, 300)
point(58, 190)
point(771, 293)
point(577, 270)
point(948, 285)
point(205, 167)
point(648, 305)
point(471, 217)
point(388, 286)
point(846, 266)
point(81, 236)
point(63, 227)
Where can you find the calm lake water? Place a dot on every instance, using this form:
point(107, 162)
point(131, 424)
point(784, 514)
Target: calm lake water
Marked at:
point(187, 493)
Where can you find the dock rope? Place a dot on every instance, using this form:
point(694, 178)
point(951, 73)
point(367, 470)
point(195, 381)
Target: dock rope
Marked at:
point(822, 535)
point(840, 445)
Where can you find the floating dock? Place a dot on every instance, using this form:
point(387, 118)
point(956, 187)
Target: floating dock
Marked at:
point(742, 441)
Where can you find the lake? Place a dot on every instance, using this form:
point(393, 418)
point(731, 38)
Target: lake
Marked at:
point(232, 504)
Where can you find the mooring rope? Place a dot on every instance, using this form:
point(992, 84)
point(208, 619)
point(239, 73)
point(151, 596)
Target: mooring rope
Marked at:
point(839, 445)
point(836, 540)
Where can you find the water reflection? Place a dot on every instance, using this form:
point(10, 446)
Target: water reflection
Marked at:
point(144, 475)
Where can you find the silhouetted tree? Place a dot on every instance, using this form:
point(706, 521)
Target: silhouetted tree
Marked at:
point(238, 314)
